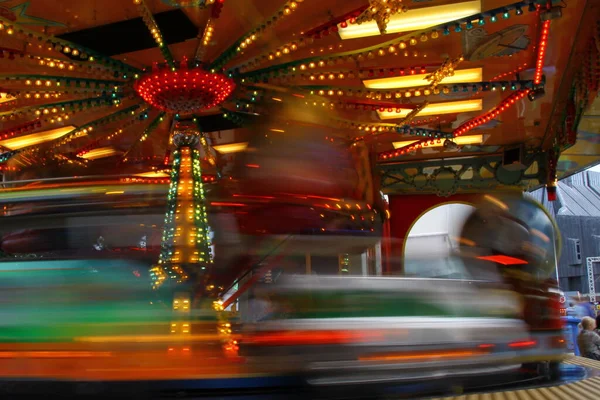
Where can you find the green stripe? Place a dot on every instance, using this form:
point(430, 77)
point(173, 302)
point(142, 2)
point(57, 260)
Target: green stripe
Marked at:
point(363, 304)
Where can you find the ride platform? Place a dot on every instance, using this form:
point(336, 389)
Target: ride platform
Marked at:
point(586, 388)
point(145, 377)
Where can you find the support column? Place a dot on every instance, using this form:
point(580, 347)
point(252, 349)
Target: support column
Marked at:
point(364, 264)
point(308, 263)
point(378, 263)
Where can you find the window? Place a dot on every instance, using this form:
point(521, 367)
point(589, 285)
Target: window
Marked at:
point(574, 251)
point(575, 283)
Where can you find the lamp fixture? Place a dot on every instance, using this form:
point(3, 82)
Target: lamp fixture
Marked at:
point(451, 107)
point(402, 82)
point(231, 147)
point(101, 152)
point(5, 97)
point(185, 90)
point(33, 139)
point(153, 174)
point(413, 20)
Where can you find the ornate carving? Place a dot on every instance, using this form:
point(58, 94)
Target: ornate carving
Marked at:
point(446, 177)
point(380, 11)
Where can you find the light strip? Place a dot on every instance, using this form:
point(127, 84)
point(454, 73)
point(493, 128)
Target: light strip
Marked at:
point(99, 153)
point(231, 147)
point(450, 107)
point(36, 138)
point(461, 141)
point(413, 20)
point(401, 82)
point(153, 174)
point(5, 98)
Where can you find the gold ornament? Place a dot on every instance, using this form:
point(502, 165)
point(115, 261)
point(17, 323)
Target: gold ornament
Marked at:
point(445, 70)
point(380, 11)
point(411, 115)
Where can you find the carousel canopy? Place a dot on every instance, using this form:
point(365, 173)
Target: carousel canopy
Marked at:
point(447, 96)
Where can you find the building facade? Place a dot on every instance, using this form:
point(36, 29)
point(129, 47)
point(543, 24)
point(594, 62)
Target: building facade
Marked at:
point(577, 213)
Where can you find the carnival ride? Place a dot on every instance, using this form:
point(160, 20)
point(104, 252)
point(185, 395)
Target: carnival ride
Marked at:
point(439, 98)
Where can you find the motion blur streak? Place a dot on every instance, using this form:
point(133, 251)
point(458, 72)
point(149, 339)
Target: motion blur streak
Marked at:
point(312, 337)
point(424, 356)
point(149, 338)
point(53, 354)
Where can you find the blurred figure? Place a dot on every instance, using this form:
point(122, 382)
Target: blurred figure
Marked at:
point(293, 153)
point(584, 308)
point(513, 231)
point(598, 324)
point(571, 310)
point(259, 307)
point(588, 340)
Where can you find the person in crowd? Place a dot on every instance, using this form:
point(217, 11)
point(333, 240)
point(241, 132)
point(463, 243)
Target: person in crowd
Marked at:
point(571, 311)
point(588, 340)
point(584, 308)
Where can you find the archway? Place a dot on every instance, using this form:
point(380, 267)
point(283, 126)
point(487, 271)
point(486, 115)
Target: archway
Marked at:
point(433, 238)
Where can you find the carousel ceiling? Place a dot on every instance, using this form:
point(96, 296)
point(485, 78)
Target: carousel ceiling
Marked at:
point(100, 84)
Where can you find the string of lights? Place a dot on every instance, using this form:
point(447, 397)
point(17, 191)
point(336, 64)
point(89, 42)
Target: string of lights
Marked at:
point(146, 133)
point(90, 126)
point(129, 121)
point(152, 26)
point(62, 46)
point(375, 94)
point(245, 41)
point(490, 115)
point(65, 106)
point(402, 42)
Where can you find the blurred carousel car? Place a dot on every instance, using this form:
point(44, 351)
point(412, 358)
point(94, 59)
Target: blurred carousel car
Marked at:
point(493, 315)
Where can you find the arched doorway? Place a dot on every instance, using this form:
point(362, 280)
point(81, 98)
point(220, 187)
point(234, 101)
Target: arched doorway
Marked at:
point(433, 238)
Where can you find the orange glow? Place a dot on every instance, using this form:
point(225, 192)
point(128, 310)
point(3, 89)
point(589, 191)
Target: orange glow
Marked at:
point(101, 152)
point(231, 147)
point(504, 260)
point(225, 204)
point(524, 343)
point(413, 20)
point(496, 201)
point(53, 354)
point(5, 97)
point(254, 197)
point(448, 107)
point(541, 235)
point(323, 198)
point(299, 196)
point(424, 355)
point(36, 138)
point(149, 338)
point(252, 165)
point(153, 174)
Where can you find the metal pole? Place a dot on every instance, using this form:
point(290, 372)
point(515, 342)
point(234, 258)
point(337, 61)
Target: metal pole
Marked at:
point(555, 256)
